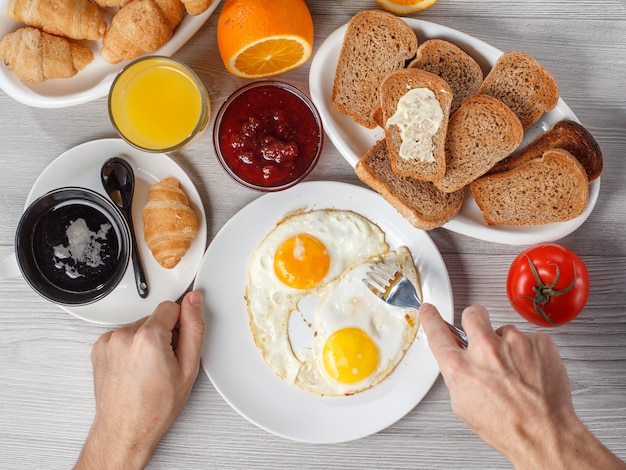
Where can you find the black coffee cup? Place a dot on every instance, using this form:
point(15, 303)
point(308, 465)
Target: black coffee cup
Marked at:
point(72, 246)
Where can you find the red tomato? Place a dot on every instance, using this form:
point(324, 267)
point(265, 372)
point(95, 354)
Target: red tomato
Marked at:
point(548, 284)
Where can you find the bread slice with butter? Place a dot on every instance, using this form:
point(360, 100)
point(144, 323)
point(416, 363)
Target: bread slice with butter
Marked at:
point(482, 132)
point(420, 202)
point(566, 134)
point(451, 63)
point(551, 188)
point(416, 126)
point(523, 84)
point(376, 43)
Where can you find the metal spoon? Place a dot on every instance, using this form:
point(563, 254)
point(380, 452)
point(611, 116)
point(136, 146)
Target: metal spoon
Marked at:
point(118, 180)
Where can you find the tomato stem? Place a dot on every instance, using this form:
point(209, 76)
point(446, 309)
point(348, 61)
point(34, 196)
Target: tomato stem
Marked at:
point(544, 292)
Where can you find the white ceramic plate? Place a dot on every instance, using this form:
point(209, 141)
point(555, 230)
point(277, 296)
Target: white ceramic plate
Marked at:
point(94, 80)
point(235, 365)
point(353, 140)
point(80, 166)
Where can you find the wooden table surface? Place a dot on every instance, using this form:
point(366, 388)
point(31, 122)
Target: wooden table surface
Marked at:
point(46, 394)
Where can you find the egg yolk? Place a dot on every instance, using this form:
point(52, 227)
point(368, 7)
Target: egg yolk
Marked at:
point(301, 261)
point(350, 355)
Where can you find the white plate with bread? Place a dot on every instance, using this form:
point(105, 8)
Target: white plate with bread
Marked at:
point(80, 166)
point(95, 79)
point(353, 141)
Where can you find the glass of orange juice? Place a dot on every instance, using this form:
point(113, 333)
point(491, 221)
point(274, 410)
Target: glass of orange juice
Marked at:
point(158, 104)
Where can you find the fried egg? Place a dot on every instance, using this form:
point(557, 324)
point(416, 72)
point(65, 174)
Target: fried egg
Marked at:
point(359, 339)
point(301, 257)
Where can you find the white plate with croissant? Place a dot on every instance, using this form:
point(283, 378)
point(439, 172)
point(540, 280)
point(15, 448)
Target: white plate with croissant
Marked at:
point(94, 80)
point(80, 166)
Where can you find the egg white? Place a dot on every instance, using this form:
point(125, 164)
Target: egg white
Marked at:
point(349, 238)
point(349, 303)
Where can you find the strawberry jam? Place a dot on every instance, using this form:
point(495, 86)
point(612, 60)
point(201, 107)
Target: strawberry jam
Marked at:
point(268, 136)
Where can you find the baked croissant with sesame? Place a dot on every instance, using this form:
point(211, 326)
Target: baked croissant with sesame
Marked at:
point(169, 222)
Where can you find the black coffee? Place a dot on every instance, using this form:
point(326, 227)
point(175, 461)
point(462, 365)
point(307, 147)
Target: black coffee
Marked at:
point(76, 247)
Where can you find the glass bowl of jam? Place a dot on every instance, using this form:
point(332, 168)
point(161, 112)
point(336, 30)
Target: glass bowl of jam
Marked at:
point(268, 135)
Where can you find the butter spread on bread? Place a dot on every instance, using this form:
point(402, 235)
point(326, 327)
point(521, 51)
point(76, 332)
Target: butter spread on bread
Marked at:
point(568, 135)
point(393, 89)
point(169, 222)
point(375, 44)
point(482, 132)
point(419, 117)
point(520, 82)
point(420, 202)
point(551, 188)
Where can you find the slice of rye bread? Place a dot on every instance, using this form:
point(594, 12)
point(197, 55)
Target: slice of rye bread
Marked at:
point(393, 88)
point(520, 82)
point(566, 134)
point(482, 132)
point(420, 202)
point(551, 188)
point(376, 43)
point(453, 64)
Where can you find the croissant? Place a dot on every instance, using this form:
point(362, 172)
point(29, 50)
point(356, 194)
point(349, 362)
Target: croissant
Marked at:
point(75, 19)
point(169, 222)
point(195, 7)
point(140, 26)
point(36, 56)
point(111, 3)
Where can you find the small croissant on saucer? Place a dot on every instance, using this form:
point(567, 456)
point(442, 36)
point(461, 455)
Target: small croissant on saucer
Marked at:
point(169, 222)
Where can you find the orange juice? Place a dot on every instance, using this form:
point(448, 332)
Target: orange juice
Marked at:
point(158, 104)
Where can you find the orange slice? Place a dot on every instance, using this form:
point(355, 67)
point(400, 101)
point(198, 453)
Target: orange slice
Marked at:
point(403, 7)
point(259, 38)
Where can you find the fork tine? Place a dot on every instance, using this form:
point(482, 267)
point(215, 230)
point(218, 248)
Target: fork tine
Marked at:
point(384, 269)
point(375, 280)
point(379, 278)
point(374, 286)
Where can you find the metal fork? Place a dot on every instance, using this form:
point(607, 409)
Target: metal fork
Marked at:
point(396, 289)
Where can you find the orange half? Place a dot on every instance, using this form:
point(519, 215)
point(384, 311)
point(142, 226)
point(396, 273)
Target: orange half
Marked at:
point(260, 38)
point(270, 56)
point(403, 7)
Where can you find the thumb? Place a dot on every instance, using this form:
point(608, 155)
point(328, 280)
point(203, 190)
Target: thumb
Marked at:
point(191, 333)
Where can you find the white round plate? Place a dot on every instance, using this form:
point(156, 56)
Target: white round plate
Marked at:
point(93, 81)
point(80, 166)
point(235, 365)
point(353, 140)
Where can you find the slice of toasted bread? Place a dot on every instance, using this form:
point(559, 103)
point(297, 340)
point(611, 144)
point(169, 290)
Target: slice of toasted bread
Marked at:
point(551, 188)
point(420, 202)
point(375, 44)
point(451, 63)
point(427, 166)
point(521, 82)
point(568, 135)
point(482, 132)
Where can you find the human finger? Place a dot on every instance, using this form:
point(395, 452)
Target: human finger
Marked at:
point(164, 318)
point(476, 322)
point(190, 333)
point(117, 336)
point(437, 332)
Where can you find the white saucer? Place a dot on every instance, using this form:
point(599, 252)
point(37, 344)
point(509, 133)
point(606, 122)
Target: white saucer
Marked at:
point(80, 166)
